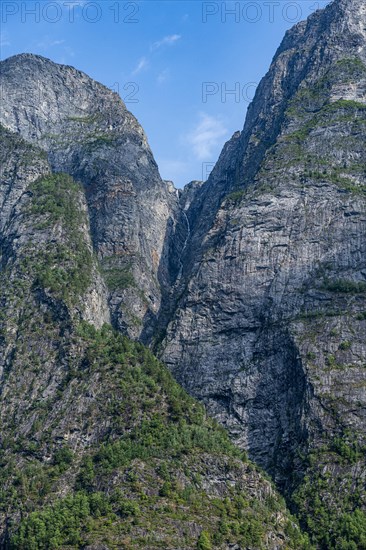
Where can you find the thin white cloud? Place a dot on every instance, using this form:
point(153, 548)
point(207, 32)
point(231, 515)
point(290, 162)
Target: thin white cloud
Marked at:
point(206, 136)
point(145, 61)
point(166, 41)
point(141, 65)
point(49, 43)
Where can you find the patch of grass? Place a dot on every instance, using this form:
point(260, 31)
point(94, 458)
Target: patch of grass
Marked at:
point(344, 286)
point(346, 345)
point(55, 197)
point(118, 278)
point(64, 268)
point(236, 196)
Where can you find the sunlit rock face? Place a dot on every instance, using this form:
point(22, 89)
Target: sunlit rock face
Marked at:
point(88, 133)
point(269, 330)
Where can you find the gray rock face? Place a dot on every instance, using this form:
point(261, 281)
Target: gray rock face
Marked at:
point(71, 394)
point(24, 244)
point(276, 262)
point(88, 133)
point(251, 286)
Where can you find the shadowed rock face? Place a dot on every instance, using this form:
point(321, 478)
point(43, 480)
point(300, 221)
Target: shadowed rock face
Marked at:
point(88, 133)
point(276, 263)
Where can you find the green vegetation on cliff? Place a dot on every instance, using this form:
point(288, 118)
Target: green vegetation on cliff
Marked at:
point(330, 501)
point(157, 471)
point(99, 444)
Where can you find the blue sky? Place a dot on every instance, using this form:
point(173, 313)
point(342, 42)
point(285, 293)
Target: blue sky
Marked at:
point(173, 62)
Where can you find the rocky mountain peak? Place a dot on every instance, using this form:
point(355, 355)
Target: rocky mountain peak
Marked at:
point(276, 272)
point(51, 94)
point(87, 132)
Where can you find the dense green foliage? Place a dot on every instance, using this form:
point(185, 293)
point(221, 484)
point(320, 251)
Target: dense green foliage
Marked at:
point(55, 197)
point(204, 541)
point(345, 286)
point(118, 278)
point(343, 529)
point(330, 501)
point(159, 444)
point(149, 434)
point(62, 267)
point(142, 376)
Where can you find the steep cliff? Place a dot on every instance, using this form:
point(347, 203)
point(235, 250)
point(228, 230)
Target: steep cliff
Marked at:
point(87, 132)
point(270, 327)
point(100, 448)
